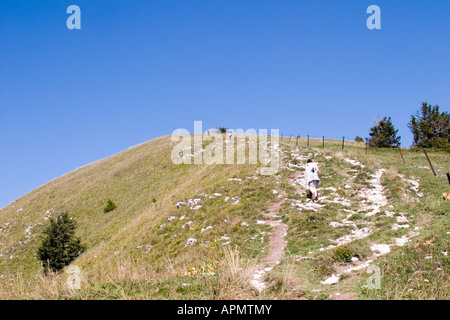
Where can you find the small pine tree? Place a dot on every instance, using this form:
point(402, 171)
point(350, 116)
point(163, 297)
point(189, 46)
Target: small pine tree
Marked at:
point(222, 129)
point(59, 245)
point(110, 206)
point(359, 139)
point(430, 127)
point(383, 134)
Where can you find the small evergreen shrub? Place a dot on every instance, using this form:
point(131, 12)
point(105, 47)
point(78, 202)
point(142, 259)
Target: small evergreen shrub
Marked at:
point(110, 206)
point(59, 245)
point(359, 139)
point(222, 129)
point(430, 127)
point(342, 254)
point(383, 134)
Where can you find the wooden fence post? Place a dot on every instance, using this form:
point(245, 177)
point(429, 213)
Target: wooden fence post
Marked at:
point(399, 149)
point(367, 144)
point(308, 141)
point(429, 162)
point(323, 142)
point(343, 143)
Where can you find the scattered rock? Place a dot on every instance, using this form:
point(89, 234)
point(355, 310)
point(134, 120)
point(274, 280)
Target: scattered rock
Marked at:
point(331, 280)
point(206, 229)
point(190, 242)
point(180, 204)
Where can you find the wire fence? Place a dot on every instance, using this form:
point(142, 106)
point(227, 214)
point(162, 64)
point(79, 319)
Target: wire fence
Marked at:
point(307, 141)
point(336, 143)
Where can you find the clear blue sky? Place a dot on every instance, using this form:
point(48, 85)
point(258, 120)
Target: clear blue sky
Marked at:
point(140, 69)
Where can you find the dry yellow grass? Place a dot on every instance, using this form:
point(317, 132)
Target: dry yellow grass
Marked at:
point(134, 252)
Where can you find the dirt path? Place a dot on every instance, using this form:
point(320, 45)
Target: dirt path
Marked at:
point(278, 240)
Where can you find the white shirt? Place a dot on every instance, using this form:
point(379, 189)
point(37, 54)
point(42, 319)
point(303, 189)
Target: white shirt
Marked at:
point(311, 172)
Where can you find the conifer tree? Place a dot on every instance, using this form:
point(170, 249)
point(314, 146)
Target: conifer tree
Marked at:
point(430, 128)
point(222, 129)
point(110, 206)
point(383, 134)
point(59, 245)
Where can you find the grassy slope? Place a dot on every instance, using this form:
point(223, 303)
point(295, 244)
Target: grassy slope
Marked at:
point(406, 272)
point(131, 256)
point(118, 242)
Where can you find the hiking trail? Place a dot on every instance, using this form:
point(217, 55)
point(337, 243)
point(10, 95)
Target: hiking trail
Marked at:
point(371, 201)
point(277, 243)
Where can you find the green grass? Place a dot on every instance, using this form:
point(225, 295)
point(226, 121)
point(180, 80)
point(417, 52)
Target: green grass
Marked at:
point(402, 265)
point(138, 250)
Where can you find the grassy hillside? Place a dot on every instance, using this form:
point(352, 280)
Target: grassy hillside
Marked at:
point(144, 249)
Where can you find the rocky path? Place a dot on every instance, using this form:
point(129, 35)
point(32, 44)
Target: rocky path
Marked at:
point(372, 201)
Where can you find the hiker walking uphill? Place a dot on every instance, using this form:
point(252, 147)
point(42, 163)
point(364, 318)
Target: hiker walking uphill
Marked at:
point(312, 178)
